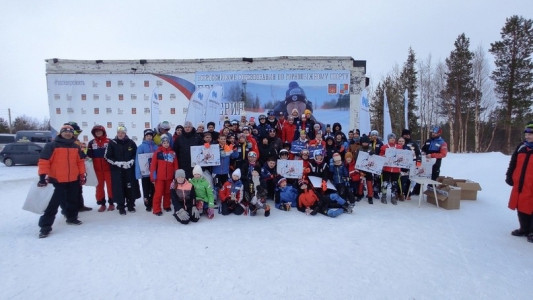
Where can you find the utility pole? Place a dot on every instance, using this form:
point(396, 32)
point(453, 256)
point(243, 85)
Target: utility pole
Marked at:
point(9, 117)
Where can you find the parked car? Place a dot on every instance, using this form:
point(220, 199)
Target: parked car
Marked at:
point(6, 138)
point(22, 153)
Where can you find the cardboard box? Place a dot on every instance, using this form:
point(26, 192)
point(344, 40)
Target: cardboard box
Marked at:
point(469, 189)
point(449, 197)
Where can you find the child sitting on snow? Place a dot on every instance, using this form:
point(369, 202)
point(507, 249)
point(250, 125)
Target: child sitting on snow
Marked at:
point(205, 200)
point(286, 195)
point(184, 199)
point(231, 195)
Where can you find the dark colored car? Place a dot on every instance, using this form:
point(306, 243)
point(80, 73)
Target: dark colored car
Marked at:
point(22, 153)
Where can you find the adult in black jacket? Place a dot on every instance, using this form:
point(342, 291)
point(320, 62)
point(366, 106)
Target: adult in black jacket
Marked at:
point(182, 147)
point(120, 153)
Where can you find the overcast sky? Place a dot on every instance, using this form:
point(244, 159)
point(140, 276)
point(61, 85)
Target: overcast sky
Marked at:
point(377, 31)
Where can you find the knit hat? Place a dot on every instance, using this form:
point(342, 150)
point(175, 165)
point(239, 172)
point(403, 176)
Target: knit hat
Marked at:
point(283, 152)
point(281, 180)
point(529, 127)
point(187, 124)
point(365, 139)
point(406, 132)
point(337, 157)
point(237, 173)
point(66, 128)
point(391, 136)
point(252, 120)
point(436, 130)
point(374, 133)
point(165, 138)
point(148, 132)
point(301, 183)
point(179, 173)
point(122, 128)
point(307, 111)
point(197, 170)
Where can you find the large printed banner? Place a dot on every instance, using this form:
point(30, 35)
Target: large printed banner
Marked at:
point(141, 101)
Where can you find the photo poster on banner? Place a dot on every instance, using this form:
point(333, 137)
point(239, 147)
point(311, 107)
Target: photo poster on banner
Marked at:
point(425, 169)
point(280, 90)
point(144, 163)
point(205, 156)
point(370, 163)
point(398, 158)
point(290, 168)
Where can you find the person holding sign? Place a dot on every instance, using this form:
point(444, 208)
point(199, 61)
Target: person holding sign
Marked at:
point(147, 148)
point(390, 175)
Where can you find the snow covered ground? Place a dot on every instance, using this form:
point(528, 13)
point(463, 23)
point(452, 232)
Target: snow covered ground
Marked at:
point(380, 251)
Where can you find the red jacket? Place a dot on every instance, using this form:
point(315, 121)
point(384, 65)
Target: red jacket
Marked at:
point(96, 150)
point(288, 132)
point(522, 174)
point(382, 153)
point(353, 173)
point(307, 199)
point(164, 164)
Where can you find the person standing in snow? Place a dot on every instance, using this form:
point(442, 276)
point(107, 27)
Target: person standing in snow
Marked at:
point(147, 146)
point(61, 163)
point(520, 177)
point(437, 148)
point(120, 153)
point(102, 169)
point(164, 164)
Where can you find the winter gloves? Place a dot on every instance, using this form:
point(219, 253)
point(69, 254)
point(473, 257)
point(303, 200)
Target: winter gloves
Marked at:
point(124, 164)
point(42, 181)
point(195, 212)
point(82, 179)
point(182, 215)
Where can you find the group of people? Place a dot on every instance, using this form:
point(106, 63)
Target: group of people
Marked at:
point(244, 180)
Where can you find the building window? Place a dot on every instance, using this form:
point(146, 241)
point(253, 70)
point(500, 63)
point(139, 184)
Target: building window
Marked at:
point(146, 125)
point(172, 111)
point(70, 110)
point(108, 110)
point(69, 97)
point(83, 97)
point(133, 96)
point(146, 83)
point(133, 110)
point(107, 98)
point(96, 111)
point(96, 97)
point(146, 97)
point(120, 111)
point(57, 97)
point(58, 111)
point(120, 83)
point(108, 83)
point(83, 111)
point(172, 96)
point(109, 124)
point(84, 124)
point(146, 110)
point(120, 97)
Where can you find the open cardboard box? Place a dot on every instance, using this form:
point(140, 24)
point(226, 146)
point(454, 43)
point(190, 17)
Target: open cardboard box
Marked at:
point(469, 188)
point(449, 197)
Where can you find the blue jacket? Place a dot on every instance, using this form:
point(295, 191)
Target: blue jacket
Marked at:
point(288, 194)
point(338, 174)
point(225, 157)
point(144, 147)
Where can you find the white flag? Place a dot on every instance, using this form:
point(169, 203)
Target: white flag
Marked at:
point(387, 126)
point(405, 109)
point(364, 114)
point(154, 108)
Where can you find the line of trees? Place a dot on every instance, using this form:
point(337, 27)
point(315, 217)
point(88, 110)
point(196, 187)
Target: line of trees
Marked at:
point(24, 123)
point(479, 109)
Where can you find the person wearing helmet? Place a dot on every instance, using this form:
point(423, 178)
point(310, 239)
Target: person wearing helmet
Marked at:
point(271, 119)
point(435, 147)
point(262, 127)
point(96, 150)
point(163, 129)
